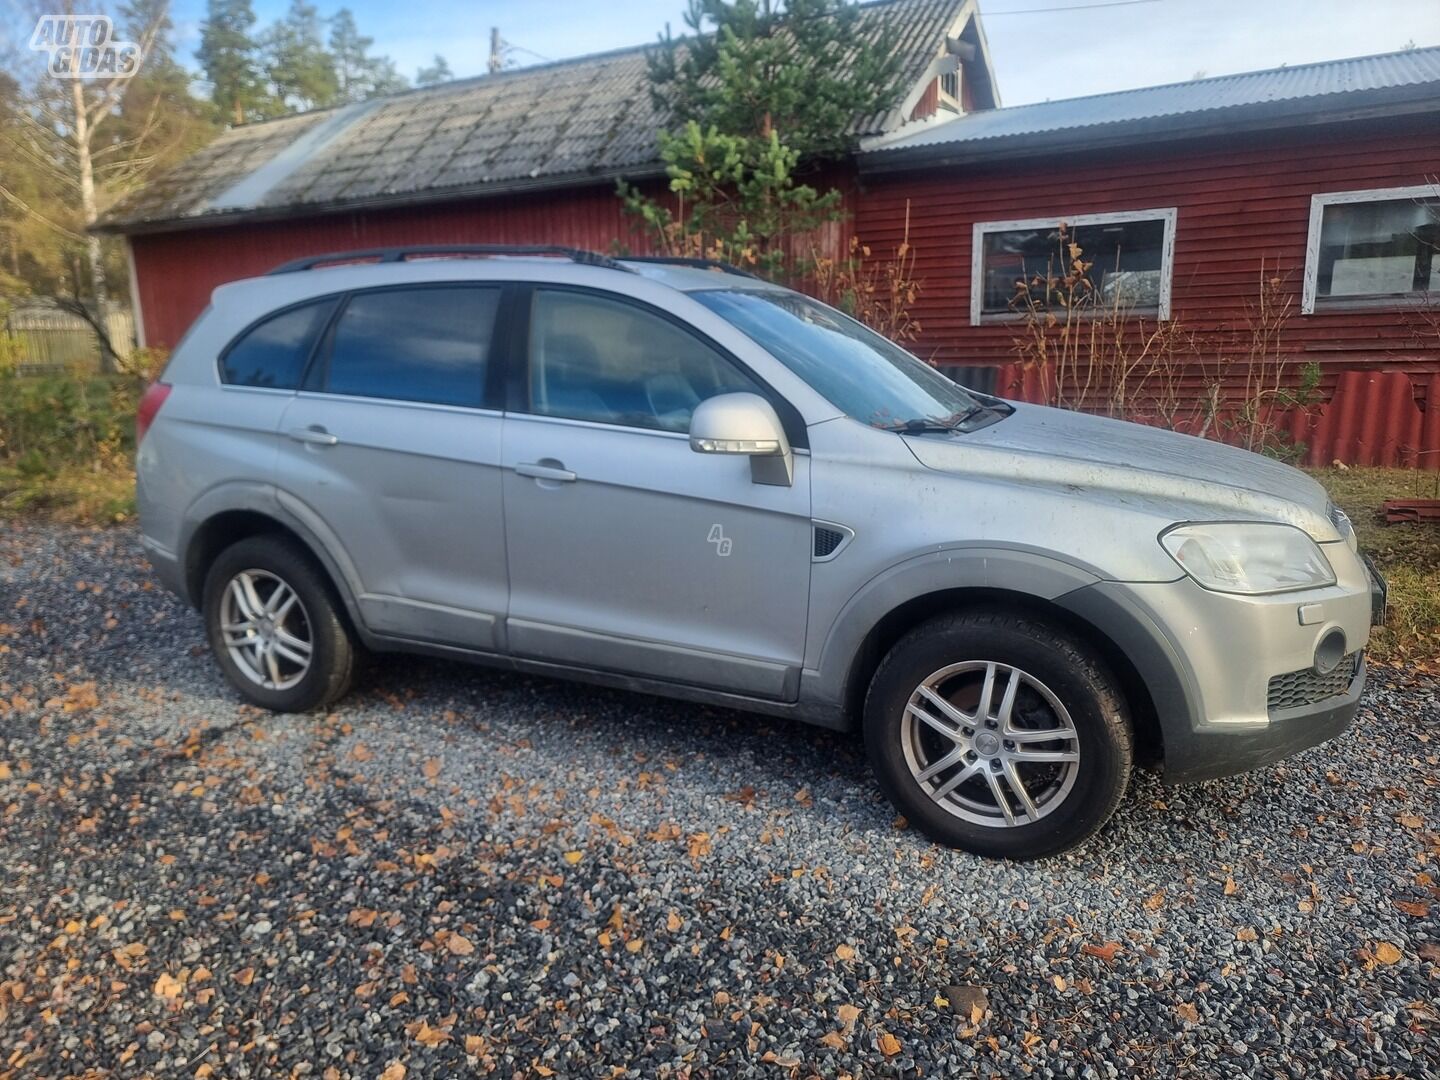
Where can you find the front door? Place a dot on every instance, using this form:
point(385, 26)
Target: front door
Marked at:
point(628, 551)
point(393, 448)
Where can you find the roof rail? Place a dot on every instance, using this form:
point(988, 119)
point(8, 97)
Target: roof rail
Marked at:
point(699, 264)
point(440, 251)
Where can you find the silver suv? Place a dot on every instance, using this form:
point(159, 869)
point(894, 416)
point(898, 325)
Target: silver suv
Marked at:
point(677, 478)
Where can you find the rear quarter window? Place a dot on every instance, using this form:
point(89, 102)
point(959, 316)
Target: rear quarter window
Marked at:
point(273, 353)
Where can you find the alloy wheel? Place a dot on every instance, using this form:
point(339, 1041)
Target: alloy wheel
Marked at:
point(990, 744)
point(266, 629)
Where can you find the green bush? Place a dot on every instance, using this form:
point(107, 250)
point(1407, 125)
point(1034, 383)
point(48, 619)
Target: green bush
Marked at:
point(67, 444)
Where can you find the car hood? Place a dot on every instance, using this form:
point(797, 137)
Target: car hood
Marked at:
point(1177, 476)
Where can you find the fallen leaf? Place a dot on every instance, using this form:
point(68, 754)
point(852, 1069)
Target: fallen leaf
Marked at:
point(1430, 951)
point(431, 768)
point(889, 1044)
point(1105, 952)
point(362, 753)
point(429, 1036)
point(1387, 953)
point(1417, 908)
point(833, 1039)
point(673, 922)
point(1246, 933)
point(1187, 1012)
point(393, 1071)
point(1155, 902)
point(573, 857)
point(459, 945)
point(473, 1044)
point(848, 1014)
point(1059, 982)
point(1410, 821)
point(1230, 887)
point(844, 952)
point(168, 987)
point(245, 977)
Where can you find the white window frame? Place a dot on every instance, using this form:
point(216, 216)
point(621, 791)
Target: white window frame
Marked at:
point(1318, 203)
point(1167, 214)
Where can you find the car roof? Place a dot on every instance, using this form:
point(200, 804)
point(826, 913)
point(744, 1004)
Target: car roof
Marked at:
point(337, 273)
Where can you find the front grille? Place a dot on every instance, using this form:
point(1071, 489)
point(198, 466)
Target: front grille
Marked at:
point(827, 540)
point(1298, 688)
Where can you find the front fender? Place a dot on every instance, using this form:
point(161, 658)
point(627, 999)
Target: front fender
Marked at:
point(959, 566)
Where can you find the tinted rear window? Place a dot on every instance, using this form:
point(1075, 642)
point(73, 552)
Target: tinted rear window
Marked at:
point(429, 344)
point(273, 354)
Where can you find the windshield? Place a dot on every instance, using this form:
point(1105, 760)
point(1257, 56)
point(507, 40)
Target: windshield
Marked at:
point(872, 379)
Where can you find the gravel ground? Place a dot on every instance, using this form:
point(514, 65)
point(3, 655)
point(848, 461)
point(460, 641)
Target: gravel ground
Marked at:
point(461, 871)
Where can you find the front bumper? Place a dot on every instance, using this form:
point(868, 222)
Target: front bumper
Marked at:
point(1207, 753)
point(1209, 660)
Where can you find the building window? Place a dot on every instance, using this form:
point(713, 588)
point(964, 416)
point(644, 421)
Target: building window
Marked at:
point(1128, 260)
point(1373, 245)
point(950, 86)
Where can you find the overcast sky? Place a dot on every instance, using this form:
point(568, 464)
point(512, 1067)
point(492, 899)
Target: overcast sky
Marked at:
point(1042, 49)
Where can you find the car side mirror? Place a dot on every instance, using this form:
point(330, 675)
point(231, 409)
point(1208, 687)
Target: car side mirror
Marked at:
point(744, 424)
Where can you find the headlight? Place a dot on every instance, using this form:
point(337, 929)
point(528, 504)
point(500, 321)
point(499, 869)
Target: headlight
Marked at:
point(1251, 558)
point(1343, 526)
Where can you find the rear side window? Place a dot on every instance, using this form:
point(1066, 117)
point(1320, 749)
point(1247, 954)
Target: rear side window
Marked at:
point(430, 344)
point(273, 353)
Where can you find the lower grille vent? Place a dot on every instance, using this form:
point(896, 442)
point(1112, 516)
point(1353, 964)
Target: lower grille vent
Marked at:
point(1305, 687)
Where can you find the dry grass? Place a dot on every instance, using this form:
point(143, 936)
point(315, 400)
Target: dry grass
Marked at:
point(1408, 556)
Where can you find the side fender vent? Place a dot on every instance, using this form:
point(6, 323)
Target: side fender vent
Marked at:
point(830, 540)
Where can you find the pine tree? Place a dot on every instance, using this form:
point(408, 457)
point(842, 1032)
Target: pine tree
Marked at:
point(302, 73)
point(750, 67)
point(758, 94)
point(436, 73)
point(230, 59)
point(360, 75)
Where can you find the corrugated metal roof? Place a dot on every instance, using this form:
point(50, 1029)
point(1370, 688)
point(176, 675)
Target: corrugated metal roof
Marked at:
point(1413, 74)
point(585, 118)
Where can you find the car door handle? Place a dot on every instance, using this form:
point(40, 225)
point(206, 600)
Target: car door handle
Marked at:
point(313, 434)
point(540, 471)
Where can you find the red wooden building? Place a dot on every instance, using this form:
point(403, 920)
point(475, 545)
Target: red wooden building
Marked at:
point(1320, 179)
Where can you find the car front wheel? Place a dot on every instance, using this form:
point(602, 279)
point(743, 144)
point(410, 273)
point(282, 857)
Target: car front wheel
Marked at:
point(1000, 734)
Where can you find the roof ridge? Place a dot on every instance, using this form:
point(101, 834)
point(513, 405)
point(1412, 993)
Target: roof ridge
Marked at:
point(1218, 78)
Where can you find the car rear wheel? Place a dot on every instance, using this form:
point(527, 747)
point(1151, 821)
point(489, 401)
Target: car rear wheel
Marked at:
point(1000, 734)
point(275, 626)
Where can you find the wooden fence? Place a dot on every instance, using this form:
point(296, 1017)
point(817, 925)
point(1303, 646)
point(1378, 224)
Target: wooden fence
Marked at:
point(48, 338)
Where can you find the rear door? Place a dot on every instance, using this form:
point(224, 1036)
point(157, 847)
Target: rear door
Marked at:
point(628, 551)
point(394, 444)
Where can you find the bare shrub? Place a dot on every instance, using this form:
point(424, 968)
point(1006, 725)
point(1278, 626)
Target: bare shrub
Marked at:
point(877, 292)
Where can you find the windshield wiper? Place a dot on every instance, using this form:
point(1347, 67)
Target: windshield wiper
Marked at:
point(919, 426)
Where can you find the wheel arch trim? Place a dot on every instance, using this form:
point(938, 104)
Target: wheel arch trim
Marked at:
point(1017, 572)
point(292, 516)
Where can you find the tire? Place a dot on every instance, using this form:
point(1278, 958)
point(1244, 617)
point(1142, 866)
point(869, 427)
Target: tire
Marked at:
point(271, 564)
point(1066, 708)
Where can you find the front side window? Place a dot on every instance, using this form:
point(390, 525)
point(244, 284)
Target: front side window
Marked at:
point(1113, 262)
point(867, 376)
point(427, 344)
point(273, 353)
point(1375, 245)
point(592, 358)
